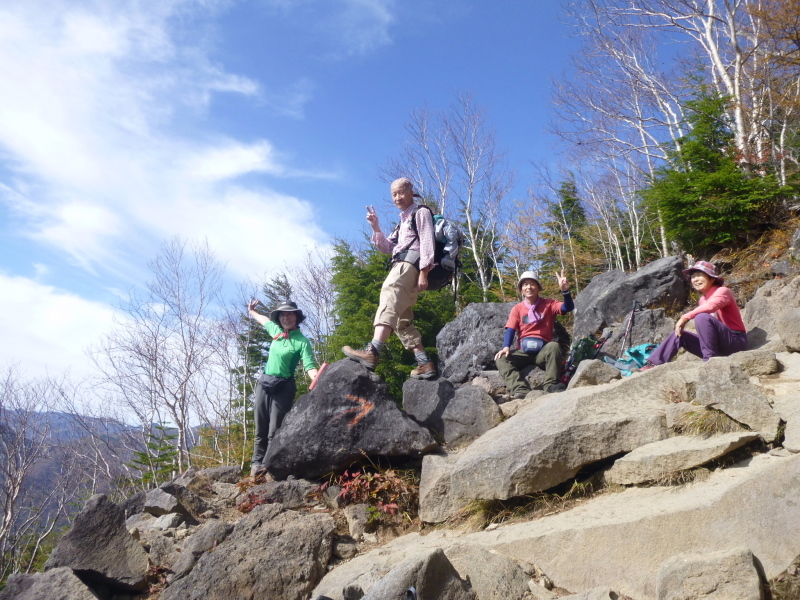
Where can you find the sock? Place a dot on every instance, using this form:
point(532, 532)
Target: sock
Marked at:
point(421, 357)
point(377, 346)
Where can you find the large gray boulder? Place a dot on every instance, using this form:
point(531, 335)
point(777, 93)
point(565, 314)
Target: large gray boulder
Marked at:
point(619, 541)
point(650, 462)
point(456, 415)
point(548, 443)
point(609, 298)
point(55, 584)
point(768, 314)
point(157, 502)
point(492, 576)
point(430, 573)
point(752, 505)
point(435, 500)
point(467, 344)
point(272, 553)
point(718, 575)
point(350, 413)
point(99, 547)
point(593, 372)
point(726, 387)
point(193, 503)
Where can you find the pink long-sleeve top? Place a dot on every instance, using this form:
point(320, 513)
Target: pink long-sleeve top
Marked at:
point(719, 302)
point(424, 244)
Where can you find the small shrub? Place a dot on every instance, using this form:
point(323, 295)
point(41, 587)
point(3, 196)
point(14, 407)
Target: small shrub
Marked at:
point(388, 492)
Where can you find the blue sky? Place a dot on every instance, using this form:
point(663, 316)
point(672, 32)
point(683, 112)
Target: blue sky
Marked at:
point(260, 125)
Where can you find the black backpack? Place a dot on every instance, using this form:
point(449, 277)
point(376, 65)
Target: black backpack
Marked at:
point(448, 241)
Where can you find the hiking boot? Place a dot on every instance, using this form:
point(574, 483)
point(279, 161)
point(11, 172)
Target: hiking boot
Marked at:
point(647, 366)
point(367, 357)
point(257, 469)
point(518, 395)
point(426, 371)
point(554, 388)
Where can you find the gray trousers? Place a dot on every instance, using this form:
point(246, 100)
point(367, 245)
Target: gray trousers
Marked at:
point(548, 359)
point(270, 408)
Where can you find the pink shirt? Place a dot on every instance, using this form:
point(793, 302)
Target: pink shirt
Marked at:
point(719, 302)
point(544, 327)
point(423, 244)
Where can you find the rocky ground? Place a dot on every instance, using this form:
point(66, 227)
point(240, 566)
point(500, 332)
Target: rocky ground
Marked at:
point(678, 482)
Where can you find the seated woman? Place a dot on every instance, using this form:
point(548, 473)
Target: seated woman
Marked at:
point(276, 387)
point(719, 325)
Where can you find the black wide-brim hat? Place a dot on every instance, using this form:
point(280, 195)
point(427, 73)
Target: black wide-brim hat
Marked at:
point(287, 307)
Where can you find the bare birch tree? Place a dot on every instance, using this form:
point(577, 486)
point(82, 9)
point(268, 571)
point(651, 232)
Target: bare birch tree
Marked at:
point(160, 362)
point(454, 161)
point(40, 473)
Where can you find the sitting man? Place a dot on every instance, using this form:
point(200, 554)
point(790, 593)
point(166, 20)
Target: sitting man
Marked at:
point(533, 319)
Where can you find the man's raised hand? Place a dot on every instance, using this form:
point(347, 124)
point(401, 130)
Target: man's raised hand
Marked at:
point(563, 282)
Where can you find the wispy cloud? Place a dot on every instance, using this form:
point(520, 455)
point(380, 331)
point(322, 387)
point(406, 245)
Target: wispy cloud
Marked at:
point(366, 23)
point(350, 27)
point(96, 101)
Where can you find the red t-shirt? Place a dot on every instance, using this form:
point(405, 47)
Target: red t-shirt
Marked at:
point(543, 328)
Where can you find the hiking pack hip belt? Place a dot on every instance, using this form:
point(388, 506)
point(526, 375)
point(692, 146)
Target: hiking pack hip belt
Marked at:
point(531, 345)
point(410, 256)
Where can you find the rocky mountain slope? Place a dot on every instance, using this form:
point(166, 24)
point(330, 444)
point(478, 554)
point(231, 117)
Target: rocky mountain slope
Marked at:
point(698, 466)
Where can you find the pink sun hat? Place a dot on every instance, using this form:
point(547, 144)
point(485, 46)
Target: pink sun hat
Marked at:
point(707, 268)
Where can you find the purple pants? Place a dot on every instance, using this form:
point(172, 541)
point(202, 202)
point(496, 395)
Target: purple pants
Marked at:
point(712, 339)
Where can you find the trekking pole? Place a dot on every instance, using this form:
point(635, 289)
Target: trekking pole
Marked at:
point(626, 338)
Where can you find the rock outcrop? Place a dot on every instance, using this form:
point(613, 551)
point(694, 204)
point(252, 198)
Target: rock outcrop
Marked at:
point(659, 459)
point(349, 414)
point(609, 298)
point(55, 584)
point(271, 553)
point(723, 535)
point(714, 575)
point(752, 506)
point(550, 442)
point(99, 547)
point(455, 415)
point(768, 315)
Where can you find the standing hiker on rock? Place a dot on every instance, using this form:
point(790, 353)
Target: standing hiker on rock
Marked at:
point(276, 387)
point(412, 258)
point(534, 320)
point(717, 320)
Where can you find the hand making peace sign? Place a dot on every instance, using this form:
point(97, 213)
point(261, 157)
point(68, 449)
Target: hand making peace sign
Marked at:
point(563, 282)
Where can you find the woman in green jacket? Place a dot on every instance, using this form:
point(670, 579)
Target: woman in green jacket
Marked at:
point(276, 387)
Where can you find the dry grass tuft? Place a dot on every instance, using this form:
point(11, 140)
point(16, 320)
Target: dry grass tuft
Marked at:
point(479, 514)
point(678, 478)
point(706, 422)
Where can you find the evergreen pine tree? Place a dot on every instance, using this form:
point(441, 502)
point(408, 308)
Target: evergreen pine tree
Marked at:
point(706, 200)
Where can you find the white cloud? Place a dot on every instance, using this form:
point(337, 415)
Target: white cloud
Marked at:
point(93, 98)
point(46, 330)
point(351, 27)
point(365, 24)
